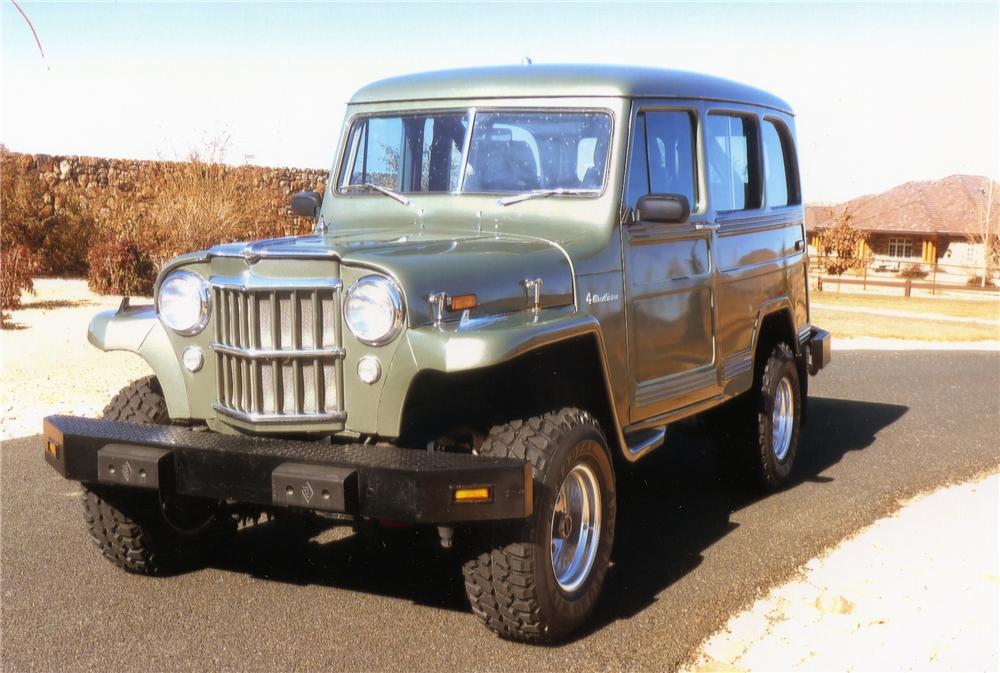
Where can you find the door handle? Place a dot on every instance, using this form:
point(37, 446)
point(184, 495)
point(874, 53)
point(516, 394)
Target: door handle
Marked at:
point(706, 226)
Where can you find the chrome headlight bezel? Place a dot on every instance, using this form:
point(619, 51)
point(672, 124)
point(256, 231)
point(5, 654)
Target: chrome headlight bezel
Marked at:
point(394, 309)
point(200, 296)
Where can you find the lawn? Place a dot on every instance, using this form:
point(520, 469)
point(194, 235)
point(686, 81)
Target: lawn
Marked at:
point(982, 309)
point(845, 324)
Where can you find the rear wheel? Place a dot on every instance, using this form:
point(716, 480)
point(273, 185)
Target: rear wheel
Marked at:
point(538, 580)
point(777, 418)
point(762, 426)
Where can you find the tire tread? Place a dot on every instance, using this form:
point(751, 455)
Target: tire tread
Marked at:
point(501, 583)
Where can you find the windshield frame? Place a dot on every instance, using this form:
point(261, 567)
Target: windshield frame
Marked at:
point(347, 154)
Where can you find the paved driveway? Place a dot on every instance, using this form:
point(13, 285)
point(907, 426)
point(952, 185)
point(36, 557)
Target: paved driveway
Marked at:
point(691, 550)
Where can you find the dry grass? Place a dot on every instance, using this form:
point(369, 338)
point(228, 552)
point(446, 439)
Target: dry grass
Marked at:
point(844, 324)
point(981, 309)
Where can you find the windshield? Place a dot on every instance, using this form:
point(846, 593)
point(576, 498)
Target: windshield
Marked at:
point(507, 152)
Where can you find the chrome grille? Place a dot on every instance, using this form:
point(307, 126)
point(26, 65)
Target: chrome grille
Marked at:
point(278, 350)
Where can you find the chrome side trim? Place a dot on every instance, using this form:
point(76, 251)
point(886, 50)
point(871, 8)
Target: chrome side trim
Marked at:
point(736, 364)
point(259, 353)
point(249, 282)
point(254, 417)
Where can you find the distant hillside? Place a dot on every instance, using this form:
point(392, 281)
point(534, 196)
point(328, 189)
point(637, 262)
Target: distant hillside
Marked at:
point(946, 206)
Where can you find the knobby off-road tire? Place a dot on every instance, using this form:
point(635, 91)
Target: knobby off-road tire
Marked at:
point(120, 524)
point(513, 586)
point(141, 401)
point(130, 526)
point(765, 423)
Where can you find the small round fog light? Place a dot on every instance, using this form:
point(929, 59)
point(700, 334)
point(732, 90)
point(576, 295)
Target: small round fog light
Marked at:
point(193, 358)
point(369, 369)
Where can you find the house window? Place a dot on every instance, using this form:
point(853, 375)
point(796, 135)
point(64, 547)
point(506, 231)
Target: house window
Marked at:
point(900, 247)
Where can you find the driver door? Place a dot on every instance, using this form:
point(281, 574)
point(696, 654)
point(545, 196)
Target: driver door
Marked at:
point(670, 282)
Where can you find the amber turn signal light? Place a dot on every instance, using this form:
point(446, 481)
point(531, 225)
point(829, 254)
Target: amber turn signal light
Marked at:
point(52, 448)
point(473, 494)
point(462, 302)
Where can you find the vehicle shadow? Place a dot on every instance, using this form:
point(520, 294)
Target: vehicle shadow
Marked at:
point(673, 507)
point(679, 502)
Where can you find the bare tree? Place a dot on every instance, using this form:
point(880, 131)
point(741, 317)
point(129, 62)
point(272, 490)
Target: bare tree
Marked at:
point(982, 231)
point(840, 245)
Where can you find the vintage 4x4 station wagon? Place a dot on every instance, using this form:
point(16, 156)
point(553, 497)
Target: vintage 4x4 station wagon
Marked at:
point(518, 278)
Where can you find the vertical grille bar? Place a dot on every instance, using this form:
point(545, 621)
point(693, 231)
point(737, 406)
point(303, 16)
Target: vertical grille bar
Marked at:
point(276, 378)
point(296, 318)
point(338, 330)
point(317, 325)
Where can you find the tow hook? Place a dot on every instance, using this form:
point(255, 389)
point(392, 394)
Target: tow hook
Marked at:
point(447, 535)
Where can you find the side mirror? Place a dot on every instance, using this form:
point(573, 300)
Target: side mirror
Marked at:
point(663, 208)
point(306, 204)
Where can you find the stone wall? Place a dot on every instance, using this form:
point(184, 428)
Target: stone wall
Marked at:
point(99, 184)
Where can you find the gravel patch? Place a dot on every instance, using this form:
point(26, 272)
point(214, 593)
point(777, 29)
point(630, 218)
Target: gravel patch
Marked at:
point(49, 367)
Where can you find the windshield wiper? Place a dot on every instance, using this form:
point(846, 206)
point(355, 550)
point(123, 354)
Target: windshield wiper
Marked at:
point(541, 194)
point(371, 187)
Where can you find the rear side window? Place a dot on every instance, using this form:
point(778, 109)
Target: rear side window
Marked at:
point(779, 166)
point(662, 160)
point(733, 164)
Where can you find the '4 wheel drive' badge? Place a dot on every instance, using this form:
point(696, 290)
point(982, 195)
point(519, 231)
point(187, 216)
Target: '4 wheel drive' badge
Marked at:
point(307, 492)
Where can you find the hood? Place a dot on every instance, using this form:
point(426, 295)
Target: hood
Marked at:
point(493, 267)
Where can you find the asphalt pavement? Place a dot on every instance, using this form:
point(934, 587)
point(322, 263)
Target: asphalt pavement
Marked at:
point(692, 549)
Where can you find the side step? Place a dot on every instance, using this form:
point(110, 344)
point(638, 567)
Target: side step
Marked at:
point(642, 442)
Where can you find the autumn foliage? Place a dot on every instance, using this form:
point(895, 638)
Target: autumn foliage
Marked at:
point(841, 245)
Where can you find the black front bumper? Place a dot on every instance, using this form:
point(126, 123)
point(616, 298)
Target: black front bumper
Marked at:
point(364, 481)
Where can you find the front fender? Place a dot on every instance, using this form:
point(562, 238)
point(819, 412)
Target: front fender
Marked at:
point(138, 330)
point(490, 341)
point(455, 347)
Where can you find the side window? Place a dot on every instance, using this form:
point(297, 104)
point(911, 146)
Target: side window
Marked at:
point(733, 173)
point(671, 159)
point(662, 159)
point(779, 166)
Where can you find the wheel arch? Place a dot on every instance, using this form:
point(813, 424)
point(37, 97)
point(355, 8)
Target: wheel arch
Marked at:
point(775, 322)
point(567, 371)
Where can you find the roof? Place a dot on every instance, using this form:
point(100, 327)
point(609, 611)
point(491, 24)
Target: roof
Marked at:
point(949, 206)
point(533, 81)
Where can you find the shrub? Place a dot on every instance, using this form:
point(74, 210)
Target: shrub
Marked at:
point(912, 272)
point(120, 265)
point(200, 204)
point(975, 280)
point(16, 267)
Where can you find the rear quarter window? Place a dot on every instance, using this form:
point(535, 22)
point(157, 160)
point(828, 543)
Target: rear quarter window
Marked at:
point(733, 162)
point(781, 186)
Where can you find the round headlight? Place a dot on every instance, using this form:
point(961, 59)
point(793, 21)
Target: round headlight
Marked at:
point(183, 302)
point(374, 310)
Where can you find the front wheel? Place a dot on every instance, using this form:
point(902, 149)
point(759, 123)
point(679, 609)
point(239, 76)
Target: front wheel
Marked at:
point(142, 531)
point(539, 579)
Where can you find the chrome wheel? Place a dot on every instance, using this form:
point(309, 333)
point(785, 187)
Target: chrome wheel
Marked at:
point(782, 418)
point(576, 527)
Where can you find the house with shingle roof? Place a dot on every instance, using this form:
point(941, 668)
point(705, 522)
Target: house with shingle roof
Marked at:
point(925, 222)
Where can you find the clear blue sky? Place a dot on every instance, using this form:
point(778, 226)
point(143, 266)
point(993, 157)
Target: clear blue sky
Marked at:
point(884, 93)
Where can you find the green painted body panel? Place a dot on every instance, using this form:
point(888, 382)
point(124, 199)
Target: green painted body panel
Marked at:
point(674, 309)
